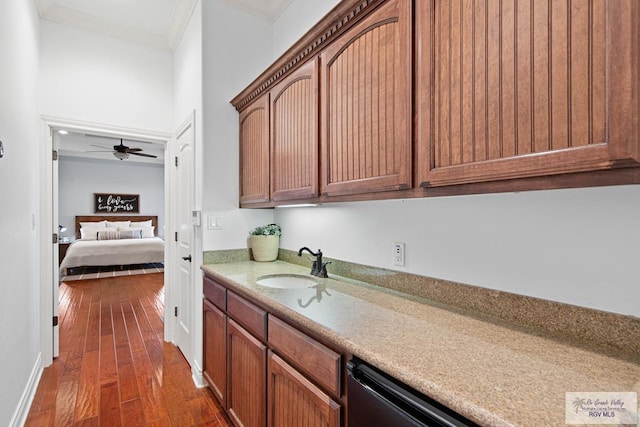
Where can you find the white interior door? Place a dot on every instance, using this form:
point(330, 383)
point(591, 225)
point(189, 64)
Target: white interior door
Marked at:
point(185, 196)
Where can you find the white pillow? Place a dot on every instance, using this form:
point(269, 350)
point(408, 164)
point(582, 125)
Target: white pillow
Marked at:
point(129, 233)
point(91, 232)
point(95, 224)
point(118, 224)
point(141, 223)
point(146, 231)
point(108, 234)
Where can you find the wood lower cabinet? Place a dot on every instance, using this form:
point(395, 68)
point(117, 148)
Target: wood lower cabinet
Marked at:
point(290, 380)
point(516, 89)
point(293, 401)
point(254, 152)
point(366, 104)
point(294, 135)
point(247, 364)
point(315, 360)
point(215, 350)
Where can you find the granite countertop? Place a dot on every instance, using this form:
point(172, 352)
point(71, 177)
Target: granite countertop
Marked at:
point(490, 372)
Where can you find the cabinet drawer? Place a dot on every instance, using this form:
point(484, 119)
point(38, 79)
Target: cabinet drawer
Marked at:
point(308, 355)
point(215, 293)
point(248, 315)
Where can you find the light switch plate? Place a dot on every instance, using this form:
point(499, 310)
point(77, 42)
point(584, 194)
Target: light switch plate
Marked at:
point(214, 222)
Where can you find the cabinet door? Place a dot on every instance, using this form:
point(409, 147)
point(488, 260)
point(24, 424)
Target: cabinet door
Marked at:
point(247, 363)
point(215, 350)
point(254, 152)
point(294, 135)
point(294, 401)
point(511, 89)
point(366, 104)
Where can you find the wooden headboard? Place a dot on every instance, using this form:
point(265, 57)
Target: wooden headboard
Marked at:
point(96, 218)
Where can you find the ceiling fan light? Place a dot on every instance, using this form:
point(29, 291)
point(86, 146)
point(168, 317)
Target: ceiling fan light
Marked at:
point(120, 155)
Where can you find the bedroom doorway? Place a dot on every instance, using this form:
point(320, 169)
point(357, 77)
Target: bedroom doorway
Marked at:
point(50, 222)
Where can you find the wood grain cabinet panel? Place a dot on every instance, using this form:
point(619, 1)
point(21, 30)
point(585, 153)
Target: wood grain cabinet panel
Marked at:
point(313, 358)
point(254, 152)
point(366, 104)
point(215, 350)
point(520, 88)
point(215, 293)
point(293, 401)
point(247, 364)
point(253, 318)
point(294, 135)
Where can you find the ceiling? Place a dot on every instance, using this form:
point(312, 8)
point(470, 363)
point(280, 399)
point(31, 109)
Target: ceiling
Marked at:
point(155, 23)
point(85, 146)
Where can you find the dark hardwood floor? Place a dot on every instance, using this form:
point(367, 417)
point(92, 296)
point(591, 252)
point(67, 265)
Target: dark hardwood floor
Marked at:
point(114, 367)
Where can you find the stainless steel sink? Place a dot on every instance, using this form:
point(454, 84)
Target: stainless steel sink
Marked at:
point(286, 281)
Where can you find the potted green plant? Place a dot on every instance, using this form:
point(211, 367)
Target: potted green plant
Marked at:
point(265, 241)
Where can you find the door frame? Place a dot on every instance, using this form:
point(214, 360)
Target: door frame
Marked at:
point(171, 262)
point(46, 262)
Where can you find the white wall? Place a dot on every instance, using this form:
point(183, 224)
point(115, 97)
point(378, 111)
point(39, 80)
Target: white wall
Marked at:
point(237, 48)
point(98, 79)
point(296, 20)
point(19, 199)
point(79, 178)
point(187, 72)
point(575, 246)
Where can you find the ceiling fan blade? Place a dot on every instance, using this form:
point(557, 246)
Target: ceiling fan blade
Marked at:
point(144, 155)
point(133, 149)
point(99, 151)
point(100, 146)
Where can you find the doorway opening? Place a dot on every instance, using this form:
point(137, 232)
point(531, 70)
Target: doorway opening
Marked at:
point(54, 213)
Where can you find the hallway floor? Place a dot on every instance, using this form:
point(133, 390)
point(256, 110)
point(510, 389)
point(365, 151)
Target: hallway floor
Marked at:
point(114, 367)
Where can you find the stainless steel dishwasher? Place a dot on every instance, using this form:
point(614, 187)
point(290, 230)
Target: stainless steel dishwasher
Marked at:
point(377, 399)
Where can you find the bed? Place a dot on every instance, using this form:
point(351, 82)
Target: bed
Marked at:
point(123, 240)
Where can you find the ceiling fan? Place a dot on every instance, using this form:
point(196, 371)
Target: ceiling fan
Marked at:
point(122, 152)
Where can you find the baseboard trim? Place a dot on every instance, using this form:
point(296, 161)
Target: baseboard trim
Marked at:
point(197, 377)
point(22, 411)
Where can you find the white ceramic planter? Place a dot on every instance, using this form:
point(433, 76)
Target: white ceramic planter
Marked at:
point(264, 248)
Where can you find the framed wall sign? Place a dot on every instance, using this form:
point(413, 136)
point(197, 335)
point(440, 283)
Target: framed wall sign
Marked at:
point(116, 203)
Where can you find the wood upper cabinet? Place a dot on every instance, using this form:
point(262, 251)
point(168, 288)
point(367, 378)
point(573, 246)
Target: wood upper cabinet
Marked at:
point(366, 104)
point(215, 350)
point(247, 365)
point(521, 88)
point(294, 135)
point(294, 401)
point(254, 152)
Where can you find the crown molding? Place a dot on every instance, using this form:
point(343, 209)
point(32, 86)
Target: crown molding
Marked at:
point(336, 22)
point(180, 18)
point(43, 6)
point(181, 14)
point(269, 10)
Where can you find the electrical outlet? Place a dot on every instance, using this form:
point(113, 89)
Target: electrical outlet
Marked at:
point(398, 253)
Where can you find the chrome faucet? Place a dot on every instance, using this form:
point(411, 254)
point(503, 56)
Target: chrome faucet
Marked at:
point(318, 268)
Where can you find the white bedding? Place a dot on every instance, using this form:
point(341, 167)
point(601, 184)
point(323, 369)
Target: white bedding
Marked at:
point(113, 252)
